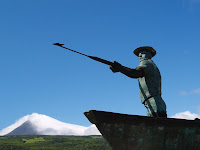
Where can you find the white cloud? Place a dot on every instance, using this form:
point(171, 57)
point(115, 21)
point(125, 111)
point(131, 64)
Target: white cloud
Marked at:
point(45, 125)
point(183, 93)
point(186, 115)
point(92, 130)
point(13, 126)
point(195, 91)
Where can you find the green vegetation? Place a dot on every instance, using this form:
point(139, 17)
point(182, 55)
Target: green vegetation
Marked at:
point(35, 142)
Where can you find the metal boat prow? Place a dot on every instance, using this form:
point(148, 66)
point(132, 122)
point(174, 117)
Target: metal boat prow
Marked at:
point(132, 132)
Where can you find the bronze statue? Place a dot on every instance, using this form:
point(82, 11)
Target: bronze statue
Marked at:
point(147, 74)
point(149, 81)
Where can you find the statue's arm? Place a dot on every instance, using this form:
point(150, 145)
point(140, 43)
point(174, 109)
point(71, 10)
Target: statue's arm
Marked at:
point(132, 73)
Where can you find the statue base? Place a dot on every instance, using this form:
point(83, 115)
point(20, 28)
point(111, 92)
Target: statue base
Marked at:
point(132, 132)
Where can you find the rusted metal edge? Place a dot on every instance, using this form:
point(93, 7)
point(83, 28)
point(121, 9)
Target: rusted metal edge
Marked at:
point(95, 116)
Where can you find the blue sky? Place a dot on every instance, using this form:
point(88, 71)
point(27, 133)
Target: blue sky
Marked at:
point(39, 77)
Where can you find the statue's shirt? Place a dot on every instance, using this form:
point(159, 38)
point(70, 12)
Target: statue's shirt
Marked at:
point(150, 84)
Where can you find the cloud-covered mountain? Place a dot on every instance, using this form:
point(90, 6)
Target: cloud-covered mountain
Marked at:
point(37, 124)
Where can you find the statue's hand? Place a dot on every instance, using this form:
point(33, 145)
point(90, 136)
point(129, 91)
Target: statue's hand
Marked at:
point(116, 67)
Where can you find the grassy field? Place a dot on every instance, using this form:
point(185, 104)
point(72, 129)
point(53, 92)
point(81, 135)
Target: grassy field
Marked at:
point(35, 142)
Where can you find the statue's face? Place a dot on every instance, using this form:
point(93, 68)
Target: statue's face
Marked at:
point(144, 55)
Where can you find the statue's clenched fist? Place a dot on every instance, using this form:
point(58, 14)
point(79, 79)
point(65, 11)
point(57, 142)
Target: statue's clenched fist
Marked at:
point(116, 67)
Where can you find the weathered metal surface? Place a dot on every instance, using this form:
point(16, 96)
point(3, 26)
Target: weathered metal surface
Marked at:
point(132, 132)
point(149, 79)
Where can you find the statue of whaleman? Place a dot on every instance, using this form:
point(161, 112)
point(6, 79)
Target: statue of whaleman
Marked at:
point(148, 76)
point(149, 81)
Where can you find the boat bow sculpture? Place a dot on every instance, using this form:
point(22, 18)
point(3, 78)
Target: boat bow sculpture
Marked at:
point(132, 132)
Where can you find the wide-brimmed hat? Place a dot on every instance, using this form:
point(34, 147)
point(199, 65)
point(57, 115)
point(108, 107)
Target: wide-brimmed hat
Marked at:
point(147, 48)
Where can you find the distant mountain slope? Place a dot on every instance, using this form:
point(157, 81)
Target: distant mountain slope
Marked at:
point(25, 129)
point(37, 124)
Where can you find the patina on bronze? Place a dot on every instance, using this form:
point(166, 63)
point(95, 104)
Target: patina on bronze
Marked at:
point(149, 79)
point(148, 76)
point(132, 132)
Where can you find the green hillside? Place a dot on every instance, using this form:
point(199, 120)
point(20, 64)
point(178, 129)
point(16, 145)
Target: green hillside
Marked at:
point(35, 142)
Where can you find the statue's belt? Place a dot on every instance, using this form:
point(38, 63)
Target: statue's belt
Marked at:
point(150, 97)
